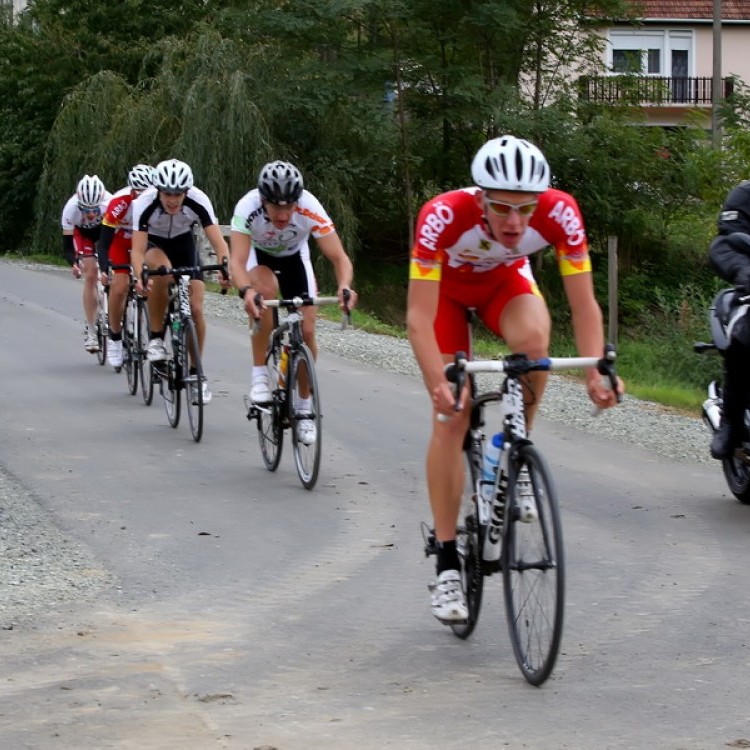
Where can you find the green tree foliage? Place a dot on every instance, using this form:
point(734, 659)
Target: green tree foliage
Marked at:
point(381, 103)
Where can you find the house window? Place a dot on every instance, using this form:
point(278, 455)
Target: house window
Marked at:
point(651, 52)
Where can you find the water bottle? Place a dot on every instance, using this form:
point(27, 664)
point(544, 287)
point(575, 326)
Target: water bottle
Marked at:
point(490, 461)
point(283, 365)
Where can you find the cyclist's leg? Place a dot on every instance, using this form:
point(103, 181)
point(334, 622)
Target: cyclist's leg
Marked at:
point(519, 314)
point(157, 301)
point(265, 283)
point(119, 255)
point(86, 255)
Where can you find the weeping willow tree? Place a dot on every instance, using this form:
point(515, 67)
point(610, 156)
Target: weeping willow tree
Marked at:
point(77, 145)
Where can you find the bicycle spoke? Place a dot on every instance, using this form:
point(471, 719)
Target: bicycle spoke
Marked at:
point(169, 374)
point(305, 416)
point(141, 343)
point(269, 418)
point(533, 568)
point(192, 379)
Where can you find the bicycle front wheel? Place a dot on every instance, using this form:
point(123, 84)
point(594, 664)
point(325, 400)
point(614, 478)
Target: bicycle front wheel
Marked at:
point(304, 414)
point(269, 417)
point(169, 376)
point(102, 328)
point(192, 378)
point(533, 566)
point(130, 345)
point(141, 345)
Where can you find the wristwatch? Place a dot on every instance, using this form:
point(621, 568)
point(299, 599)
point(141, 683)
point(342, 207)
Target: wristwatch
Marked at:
point(243, 290)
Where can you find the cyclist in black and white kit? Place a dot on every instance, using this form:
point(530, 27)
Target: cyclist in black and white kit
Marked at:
point(163, 219)
point(271, 226)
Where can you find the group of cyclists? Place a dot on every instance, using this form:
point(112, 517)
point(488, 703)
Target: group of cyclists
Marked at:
point(471, 250)
point(150, 222)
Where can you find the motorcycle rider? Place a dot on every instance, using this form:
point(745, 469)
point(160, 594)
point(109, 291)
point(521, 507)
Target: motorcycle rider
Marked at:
point(729, 256)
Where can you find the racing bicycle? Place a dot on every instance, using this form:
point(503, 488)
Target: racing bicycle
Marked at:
point(183, 368)
point(295, 395)
point(513, 524)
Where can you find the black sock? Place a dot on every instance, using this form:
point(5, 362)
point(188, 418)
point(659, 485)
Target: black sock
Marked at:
point(115, 336)
point(447, 556)
point(155, 334)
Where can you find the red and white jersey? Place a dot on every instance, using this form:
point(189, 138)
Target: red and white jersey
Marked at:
point(73, 218)
point(308, 218)
point(119, 213)
point(452, 237)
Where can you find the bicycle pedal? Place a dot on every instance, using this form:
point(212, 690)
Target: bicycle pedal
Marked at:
point(430, 543)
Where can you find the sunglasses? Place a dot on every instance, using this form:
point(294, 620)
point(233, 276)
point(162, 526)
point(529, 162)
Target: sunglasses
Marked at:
point(173, 192)
point(89, 209)
point(500, 208)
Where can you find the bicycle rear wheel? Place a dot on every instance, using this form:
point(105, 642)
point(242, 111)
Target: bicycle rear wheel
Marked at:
point(102, 327)
point(130, 345)
point(169, 375)
point(270, 417)
point(141, 344)
point(533, 566)
point(192, 378)
point(305, 416)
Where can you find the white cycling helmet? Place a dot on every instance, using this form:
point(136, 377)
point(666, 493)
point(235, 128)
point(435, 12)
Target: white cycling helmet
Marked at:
point(90, 191)
point(510, 163)
point(173, 176)
point(280, 183)
point(141, 176)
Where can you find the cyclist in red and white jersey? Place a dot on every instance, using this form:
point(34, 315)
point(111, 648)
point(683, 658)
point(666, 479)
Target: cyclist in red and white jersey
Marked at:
point(472, 249)
point(81, 223)
point(113, 248)
point(163, 219)
point(271, 227)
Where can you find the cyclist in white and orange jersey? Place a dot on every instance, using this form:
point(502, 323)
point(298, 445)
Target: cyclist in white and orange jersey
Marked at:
point(81, 222)
point(472, 249)
point(271, 227)
point(113, 248)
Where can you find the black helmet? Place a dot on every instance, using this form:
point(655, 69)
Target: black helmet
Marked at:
point(280, 183)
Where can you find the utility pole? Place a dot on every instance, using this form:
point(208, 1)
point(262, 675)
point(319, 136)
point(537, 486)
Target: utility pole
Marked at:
point(717, 92)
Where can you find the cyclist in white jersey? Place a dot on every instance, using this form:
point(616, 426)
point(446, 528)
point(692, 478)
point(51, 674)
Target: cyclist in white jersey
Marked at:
point(81, 223)
point(271, 227)
point(163, 219)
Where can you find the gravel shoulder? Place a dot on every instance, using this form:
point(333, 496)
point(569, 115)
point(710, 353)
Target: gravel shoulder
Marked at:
point(42, 569)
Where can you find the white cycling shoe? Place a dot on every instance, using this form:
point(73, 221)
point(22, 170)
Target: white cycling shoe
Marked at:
point(448, 598)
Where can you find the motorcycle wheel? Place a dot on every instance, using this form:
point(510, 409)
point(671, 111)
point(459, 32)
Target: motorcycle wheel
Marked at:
point(737, 474)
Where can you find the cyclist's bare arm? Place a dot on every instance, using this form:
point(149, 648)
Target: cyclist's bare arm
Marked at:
point(421, 309)
point(138, 246)
point(331, 247)
point(241, 243)
point(219, 245)
point(588, 328)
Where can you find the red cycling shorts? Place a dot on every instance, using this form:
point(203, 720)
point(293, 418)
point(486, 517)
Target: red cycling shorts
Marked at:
point(488, 292)
point(119, 251)
point(85, 247)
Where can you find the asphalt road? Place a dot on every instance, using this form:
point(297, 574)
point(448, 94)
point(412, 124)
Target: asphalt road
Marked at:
point(249, 613)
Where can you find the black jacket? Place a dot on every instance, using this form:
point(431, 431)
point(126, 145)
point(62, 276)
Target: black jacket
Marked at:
point(729, 253)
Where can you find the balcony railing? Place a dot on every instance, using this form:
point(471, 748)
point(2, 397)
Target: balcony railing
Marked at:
point(650, 90)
